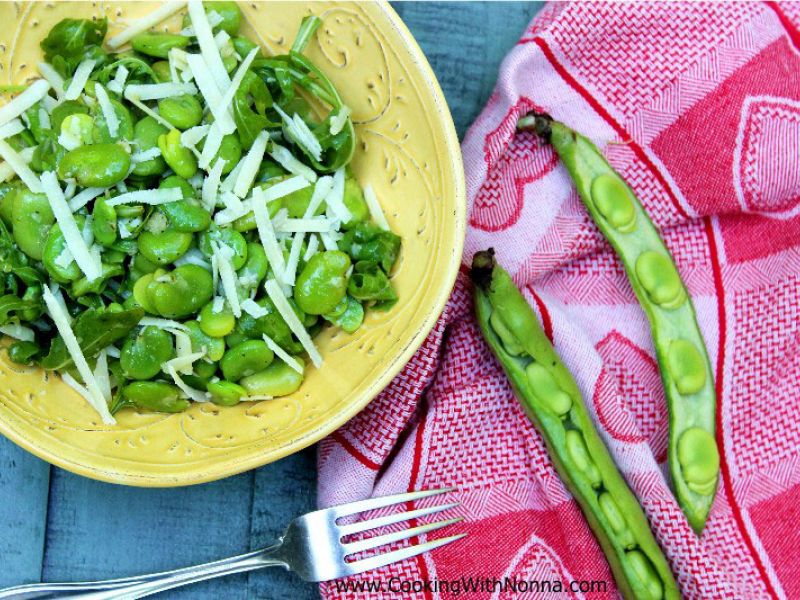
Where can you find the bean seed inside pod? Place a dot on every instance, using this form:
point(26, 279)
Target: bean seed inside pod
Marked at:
point(646, 574)
point(613, 199)
point(687, 366)
point(699, 460)
point(546, 389)
point(660, 279)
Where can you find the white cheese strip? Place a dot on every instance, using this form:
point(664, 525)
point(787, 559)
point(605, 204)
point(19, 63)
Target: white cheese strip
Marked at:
point(227, 97)
point(20, 167)
point(62, 323)
point(321, 191)
point(312, 225)
point(112, 351)
point(192, 136)
point(335, 199)
point(208, 47)
point(284, 188)
point(153, 197)
point(214, 19)
point(251, 164)
point(183, 348)
point(79, 79)
point(102, 375)
point(339, 120)
point(144, 23)
point(210, 92)
point(328, 241)
point(7, 172)
point(193, 257)
point(18, 332)
point(159, 91)
point(66, 221)
point(300, 133)
point(191, 393)
point(121, 76)
point(53, 78)
point(287, 160)
point(218, 305)
point(184, 364)
point(49, 103)
point(68, 140)
point(85, 196)
point(279, 300)
point(230, 179)
point(294, 259)
point(211, 146)
point(313, 246)
point(61, 302)
point(44, 118)
point(145, 155)
point(282, 354)
point(253, 309)
point(267, 235)
point(210, 189)
point(375, 208)
point(112, 120)
point(148, 111)
point(11, 128)
point(228, 276)
point(162, 323)
point(64, 258)
point(35, 92)
point(70, 189)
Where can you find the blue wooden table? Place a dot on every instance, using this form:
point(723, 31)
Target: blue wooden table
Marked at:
point(56, 526)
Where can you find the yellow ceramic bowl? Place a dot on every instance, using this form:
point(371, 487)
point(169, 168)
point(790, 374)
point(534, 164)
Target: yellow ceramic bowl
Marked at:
point(407, 150)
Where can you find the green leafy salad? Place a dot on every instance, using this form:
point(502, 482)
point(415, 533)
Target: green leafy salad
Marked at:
point(177, 215)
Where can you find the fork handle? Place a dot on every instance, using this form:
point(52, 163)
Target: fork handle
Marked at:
point(145, 585)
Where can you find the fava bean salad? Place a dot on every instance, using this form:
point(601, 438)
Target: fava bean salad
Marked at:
point(178, 219)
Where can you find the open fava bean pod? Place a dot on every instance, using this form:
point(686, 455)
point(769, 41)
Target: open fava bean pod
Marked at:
point(553, 402)
point(680, 349)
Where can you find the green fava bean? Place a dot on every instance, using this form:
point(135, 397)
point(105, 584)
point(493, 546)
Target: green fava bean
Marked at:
point(205, 369)
point(82, 286)
point(78, 126)
point(617, 521)
point(229, 11)
point(180, 159)
point(687, 367)
point(546, 389)
point(659, 279)
point(248, 358)
point(7, 193)
point(63, 110)
point(243, 46)
point(510, 343)
point(226, 393)
point(355, 203)
point(186, 216)
point(31, 218)
point(98, 165)
point(254, 270)
point(165, 247)
point(227, 237)
point(125, 130)
point(142, 355)
point(141, 294)
point(145, 135)
point(155, 395)
point(297, 203)
point(104, 222)
point(699, 459)
point(23, 353)
point(351, 318)
point(230, 150)
point(158, 44)
point(613, 199)
point(646, 575)
point(213, 347)
point(322, 283)
point(278, 379)
point(142, 265)
point(162, 71)
point(182, 111)
point(216, 324)
point(53, 248)
point(181, 292)
point(579, 453)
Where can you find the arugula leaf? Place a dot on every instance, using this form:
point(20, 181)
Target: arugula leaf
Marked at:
point(95, 330)
point(369, 282)
point(11, 306)
point(371, 243)
point(72, 40)
point(251, 120)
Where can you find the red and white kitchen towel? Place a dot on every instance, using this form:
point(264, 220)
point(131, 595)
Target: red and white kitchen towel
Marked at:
point(698, 107)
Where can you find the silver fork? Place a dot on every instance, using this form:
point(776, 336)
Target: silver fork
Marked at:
point(312, 547)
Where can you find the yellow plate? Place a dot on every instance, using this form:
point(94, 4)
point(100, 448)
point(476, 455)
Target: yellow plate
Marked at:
point(407, 150)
